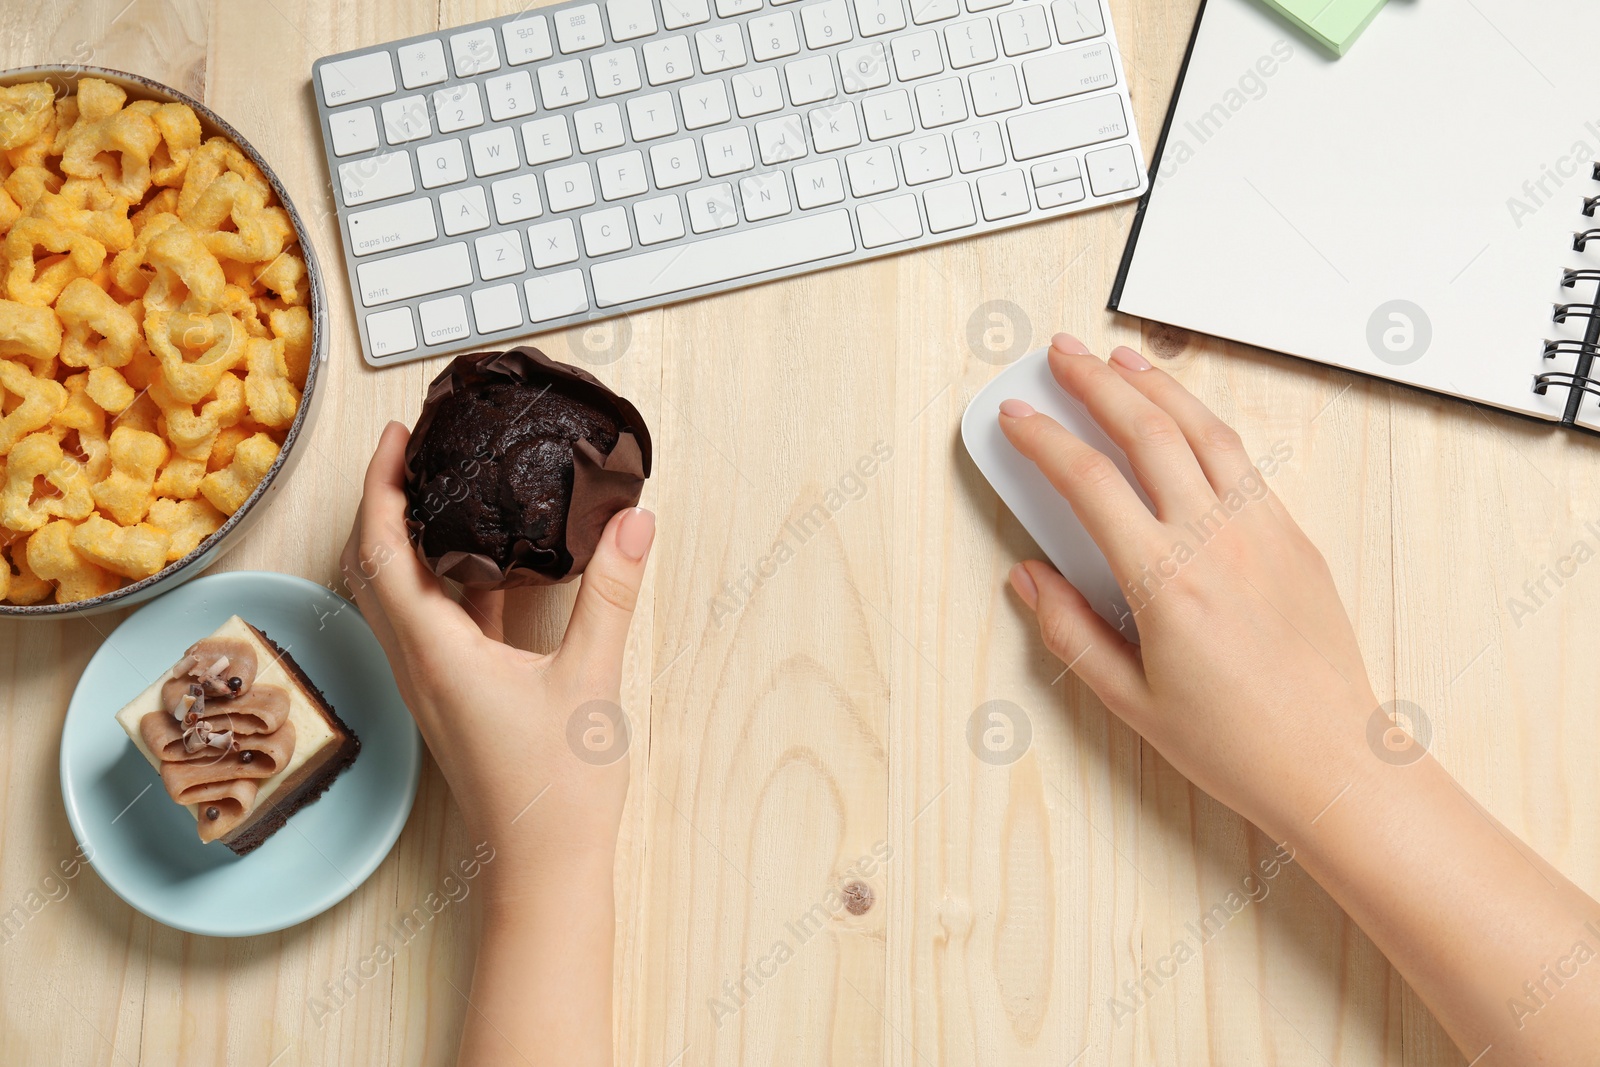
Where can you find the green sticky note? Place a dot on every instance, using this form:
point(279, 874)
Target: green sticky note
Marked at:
point(1335, 24)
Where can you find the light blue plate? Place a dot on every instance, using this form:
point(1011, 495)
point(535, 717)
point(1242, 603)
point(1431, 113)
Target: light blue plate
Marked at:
point(144, 846)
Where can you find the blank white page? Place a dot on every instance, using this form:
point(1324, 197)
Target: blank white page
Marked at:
point(1442, 162)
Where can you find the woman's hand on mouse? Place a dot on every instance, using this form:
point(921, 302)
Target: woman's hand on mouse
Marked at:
point(498, 719)
point(1249, 671)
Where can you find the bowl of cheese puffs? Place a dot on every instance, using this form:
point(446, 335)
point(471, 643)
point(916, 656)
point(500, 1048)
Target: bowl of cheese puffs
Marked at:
point(163, 328)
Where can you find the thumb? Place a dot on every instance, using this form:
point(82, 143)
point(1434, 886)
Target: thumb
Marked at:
point(597, 635)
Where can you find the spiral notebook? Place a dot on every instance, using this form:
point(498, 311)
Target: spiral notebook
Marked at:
point(1422, 209)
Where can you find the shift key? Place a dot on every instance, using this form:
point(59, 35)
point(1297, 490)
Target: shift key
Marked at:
point(415, 273)
point(1056, 129)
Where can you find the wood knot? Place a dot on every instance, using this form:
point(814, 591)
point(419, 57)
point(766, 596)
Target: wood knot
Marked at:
point(1166, 342)
point(858, 897)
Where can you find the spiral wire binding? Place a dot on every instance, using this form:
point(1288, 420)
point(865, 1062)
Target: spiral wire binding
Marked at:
point(1579, 381)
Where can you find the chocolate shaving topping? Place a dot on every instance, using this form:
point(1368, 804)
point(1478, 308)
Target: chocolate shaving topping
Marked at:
point(610, 451)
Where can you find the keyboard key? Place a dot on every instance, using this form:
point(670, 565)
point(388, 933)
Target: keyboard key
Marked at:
point(728, 151)
point(833, 128)
point(561, 84)
point(422, 64)
point(773, 37)
point(711, 208)
point(464, 210)
point(668, 61)
point(885, 222)
point(553, 243)
point(994, 90)
point(879, 16)
point(494, 151)
point(757, 93)
point(605, 232)
point(358, 78)
point(704, 104)
point(599, 128)
point(924, 159)
point(658, 219)
point(391, 332)
point(1112, 170)
point(499, 255)
point(630, 19)
point(926, 11)
point(353, 131)
point(474, 52)
point(527, 40)
point(970, 43)
point(615, 72)
point(361, 181)
point(556, 296)
point(721, 48)
point(622, 175)
point(1053, 171)
point(546, 140)
point(384, 229)
point(817, 184)
point(510, 95)
point(674, 163)
point(516, 199)
point(443, 320)
point(405, 120)
point(916, 55)
point(864, 67)
point(871, 171)
point(1068, 73)
point(1023, 30)
point(414, 274)
point(1068, 192)
point(569, 187)
point(978, 147)
point(1056, 129)
point(765, 196)
point(676, 14)
point(651, 116)
point(976, 6)
point(826, 24)
point(949, 207)
point(496, 308)
point(888, 115)
point(781, 139)
point(810, 80)
point(458, 107)
point(1003, 195)
point(940, 103)
point(578, 28)
point(1077, 20)
point(736, 255)
point(729, 8)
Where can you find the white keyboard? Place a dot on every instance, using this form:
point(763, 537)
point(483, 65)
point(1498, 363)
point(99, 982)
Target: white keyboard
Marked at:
point(554, 167)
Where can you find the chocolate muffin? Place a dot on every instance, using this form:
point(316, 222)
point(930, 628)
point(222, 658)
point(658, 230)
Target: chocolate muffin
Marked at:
point(516, 465)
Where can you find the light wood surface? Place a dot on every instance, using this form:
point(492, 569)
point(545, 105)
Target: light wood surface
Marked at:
point(782, 735)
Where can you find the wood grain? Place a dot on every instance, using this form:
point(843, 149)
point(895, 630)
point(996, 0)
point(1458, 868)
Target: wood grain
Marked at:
point(825, 613)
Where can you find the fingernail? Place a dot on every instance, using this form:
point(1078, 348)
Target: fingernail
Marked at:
point(1022, 582)
point(1070, 344)
point(1127, 357)
point(1016, 409)
point(636, 531)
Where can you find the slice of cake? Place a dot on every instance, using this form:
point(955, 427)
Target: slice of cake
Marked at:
point(239, 735)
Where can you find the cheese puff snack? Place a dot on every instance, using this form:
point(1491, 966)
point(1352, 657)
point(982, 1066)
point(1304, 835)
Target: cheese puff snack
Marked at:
point(155, 337)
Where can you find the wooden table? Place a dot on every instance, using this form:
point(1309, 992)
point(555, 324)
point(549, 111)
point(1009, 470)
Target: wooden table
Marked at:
point(794, 715)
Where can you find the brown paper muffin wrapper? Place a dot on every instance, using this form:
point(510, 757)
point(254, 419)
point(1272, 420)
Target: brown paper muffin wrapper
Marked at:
point(603, 484)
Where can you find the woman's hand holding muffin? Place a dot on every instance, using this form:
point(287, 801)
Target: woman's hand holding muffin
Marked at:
point(496, 720)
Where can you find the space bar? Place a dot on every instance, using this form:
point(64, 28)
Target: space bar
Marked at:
point(722, 259)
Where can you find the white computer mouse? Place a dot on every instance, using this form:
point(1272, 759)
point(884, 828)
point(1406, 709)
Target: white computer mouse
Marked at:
point(1043, 512)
